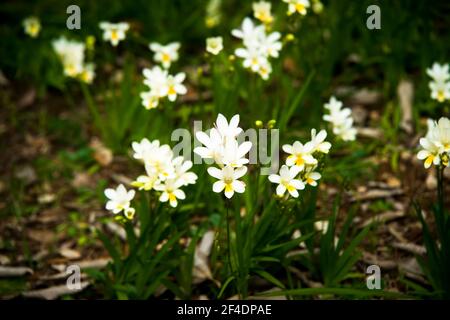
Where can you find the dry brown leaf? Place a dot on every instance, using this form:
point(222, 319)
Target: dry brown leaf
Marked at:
point(405, 92)
point(42, 236)
point(53, 293)
point(69, 253)
point(410, 247)
point(384, 217)
point(102, 154)
point(201, 270)
point(14, 271)
point(376, 194)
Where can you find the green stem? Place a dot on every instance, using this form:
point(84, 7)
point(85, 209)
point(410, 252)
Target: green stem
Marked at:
point(94, 110)
point(440, 179)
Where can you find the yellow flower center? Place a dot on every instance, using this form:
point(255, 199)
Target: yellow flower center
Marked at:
point(228, 187)
point(114, 35)
point(429, 160)
point(172, 197)
point(440, 96)
point(300, 7)
point(171, 90)
point(299, 161)
point(165, 57)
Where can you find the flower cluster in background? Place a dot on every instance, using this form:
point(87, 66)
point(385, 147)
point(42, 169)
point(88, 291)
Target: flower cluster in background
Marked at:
point(436, 143)
point(72, 57)
point(221, 145)
point(32, 26)
point(341, 119)
point(258, 47)
point(301, 164)
point(440, 84)
point(159, 81)
point(163, 172)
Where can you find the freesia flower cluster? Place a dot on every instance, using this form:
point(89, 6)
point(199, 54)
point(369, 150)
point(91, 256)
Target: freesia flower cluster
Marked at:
point(440, 84)
point(436, 144)
point(163, 171)
point(72, 57)
point(229, 156)
point(161, 84)
point(258, 48)
point(341, 119)
point(301, 165)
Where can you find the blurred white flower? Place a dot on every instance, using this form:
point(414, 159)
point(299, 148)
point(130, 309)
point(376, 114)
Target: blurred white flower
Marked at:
point(119, 199)
point(114, 32)
point(261, 11)
point(214, 45)
point(438, 72)
point(87, 75)
point(228, 180)
point(71, 55)
point(440, 91)
point(174, 86)
point(249, 33)
point(299, 6)
point(161, 85)
point(149, 100)
point(165, 54)
point(32, 26)
point(287, 180)
point(341, 120)
point(270, 44)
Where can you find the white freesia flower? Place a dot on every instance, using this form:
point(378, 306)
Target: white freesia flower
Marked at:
point(212, 145)
point(249, 33)
point(156, 80)
point(87, 74)
point(299, 6)
point(32, 26)
point(436, 144)
point(71, 54)
point(165, 54)
point(234, 154)
point(261, 11)
point(440, 91)
point(341, 120)
point(147, 182)
point(287, 180)
point(310, 177)
point(114, 32)
point(438, 72)
point(271, 45)
point(181, 171)
point(174, 86)
point(120, 200)
point(214, 45)
point(228, 130)
point(318, 141)
point(161, 85)
point(144, 149)
point(149, 100)
point(253, 57)
point(228, 180)
point(171, 191)
point(300, 155)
